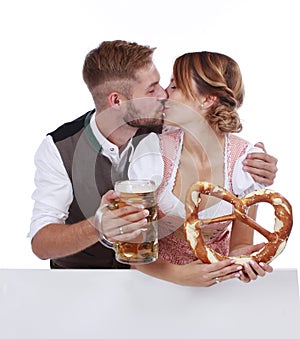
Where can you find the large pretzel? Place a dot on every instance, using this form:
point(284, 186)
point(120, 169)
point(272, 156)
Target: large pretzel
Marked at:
point(276, 240)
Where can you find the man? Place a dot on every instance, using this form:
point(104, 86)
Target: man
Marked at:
point(61, 228)
point(76, 163)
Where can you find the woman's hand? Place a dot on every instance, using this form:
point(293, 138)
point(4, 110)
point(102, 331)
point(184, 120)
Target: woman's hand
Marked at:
point(199, 274)
point(195, 273)
point(252, 269)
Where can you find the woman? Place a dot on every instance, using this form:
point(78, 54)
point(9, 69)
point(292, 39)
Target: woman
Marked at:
point(204, 94)
point(210, 84)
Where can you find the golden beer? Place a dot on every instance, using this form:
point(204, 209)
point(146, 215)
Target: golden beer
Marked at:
point(144, 248)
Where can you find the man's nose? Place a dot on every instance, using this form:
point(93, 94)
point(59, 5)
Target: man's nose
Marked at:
point(164, 94)
point(167, 93)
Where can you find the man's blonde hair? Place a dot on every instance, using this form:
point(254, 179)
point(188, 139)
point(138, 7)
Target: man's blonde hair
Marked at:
point(113, 66)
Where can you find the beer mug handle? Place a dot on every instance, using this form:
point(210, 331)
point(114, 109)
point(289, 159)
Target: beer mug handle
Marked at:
point(98, 219)
point(105, 242)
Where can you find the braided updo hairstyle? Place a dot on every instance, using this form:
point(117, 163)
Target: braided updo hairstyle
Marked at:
point(212, 74)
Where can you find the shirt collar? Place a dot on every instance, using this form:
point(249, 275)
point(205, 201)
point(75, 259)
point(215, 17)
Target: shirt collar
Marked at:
point(106, 145)
point(103, 145)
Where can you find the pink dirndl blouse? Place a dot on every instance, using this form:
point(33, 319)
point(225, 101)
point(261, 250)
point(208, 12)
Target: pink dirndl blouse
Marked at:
point(172, 248)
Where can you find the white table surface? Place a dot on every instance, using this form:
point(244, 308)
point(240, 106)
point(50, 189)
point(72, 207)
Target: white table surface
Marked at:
point(63, 304)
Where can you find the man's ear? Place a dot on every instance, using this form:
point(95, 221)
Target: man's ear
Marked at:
point(114, 99)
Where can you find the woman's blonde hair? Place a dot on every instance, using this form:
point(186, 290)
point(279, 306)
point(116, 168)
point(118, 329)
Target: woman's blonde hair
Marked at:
point(212, 74)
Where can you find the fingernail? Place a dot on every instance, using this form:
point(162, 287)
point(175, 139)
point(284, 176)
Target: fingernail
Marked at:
point(239, 268)
point(144, 221)
point(252, 262)
point(237, 275)
point(262, 264)
point(146, 213)
point(246, 265)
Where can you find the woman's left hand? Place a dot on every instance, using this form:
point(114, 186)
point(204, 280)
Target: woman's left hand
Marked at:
point(252, 269)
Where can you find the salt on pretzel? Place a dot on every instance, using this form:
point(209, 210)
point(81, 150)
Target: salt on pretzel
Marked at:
point(276, 240)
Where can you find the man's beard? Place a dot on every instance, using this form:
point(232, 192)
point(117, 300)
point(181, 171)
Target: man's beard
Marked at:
point(146, 122)
point(146, 126)
point(133, 117)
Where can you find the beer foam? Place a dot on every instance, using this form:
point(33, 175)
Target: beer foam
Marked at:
point(129, 186)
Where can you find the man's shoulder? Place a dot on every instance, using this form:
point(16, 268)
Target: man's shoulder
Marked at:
point(70, 128)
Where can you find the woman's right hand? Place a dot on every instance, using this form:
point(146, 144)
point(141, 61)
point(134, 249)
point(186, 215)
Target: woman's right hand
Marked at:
point(199, 274)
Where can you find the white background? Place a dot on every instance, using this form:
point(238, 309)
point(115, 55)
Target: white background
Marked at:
point(44, 43)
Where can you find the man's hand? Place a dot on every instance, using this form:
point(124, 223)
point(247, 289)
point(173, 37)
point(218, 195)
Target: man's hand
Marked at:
point(122, 224)
point(261, 166)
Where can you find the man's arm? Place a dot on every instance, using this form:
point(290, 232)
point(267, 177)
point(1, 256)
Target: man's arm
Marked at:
point(261, 166)
point(50, 236)
point(60, 240)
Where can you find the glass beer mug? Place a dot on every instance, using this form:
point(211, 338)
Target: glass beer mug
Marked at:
point(144, 248)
